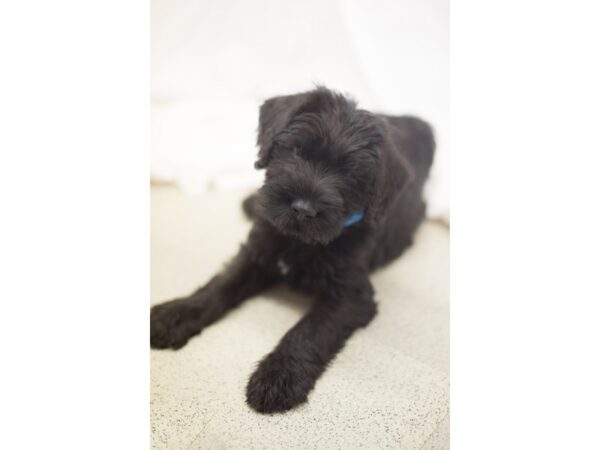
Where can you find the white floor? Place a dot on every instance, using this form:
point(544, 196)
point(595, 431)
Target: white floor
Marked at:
point(388, 388)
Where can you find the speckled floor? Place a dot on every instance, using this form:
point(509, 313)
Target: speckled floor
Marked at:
point(388, 388)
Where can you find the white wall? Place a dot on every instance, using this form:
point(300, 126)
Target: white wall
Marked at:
point(214, 62)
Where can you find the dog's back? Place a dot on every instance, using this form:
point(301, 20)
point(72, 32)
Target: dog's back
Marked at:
point(414, 139)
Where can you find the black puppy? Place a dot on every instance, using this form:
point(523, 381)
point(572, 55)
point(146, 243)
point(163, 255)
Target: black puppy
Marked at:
point(342, 196)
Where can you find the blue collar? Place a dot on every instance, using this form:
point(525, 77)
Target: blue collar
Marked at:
point(356, 217)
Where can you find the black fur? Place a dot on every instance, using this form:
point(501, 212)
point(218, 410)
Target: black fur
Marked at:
point(317, 147)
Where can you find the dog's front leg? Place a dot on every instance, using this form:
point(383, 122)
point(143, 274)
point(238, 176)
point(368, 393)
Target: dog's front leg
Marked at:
point(286, 376)
point(173, 323)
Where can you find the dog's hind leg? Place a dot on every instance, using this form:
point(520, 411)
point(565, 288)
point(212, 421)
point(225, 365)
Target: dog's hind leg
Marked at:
point(398, 233)
point(173, 323)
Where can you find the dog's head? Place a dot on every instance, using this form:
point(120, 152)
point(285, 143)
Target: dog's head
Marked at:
point(325, 161)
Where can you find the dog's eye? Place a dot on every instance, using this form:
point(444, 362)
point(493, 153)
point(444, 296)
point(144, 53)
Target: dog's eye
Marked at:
point(279, 149)
point(357, 163)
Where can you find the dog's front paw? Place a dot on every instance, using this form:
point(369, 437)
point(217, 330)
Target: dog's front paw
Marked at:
point(172, 324)
point(279, 384)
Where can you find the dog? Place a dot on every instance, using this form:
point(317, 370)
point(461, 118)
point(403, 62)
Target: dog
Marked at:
point(342, 196)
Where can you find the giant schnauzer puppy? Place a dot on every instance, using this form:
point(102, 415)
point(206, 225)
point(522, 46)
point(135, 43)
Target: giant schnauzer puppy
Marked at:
point(342, 196)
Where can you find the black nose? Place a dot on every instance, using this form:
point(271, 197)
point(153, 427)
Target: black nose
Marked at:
point(304, 208)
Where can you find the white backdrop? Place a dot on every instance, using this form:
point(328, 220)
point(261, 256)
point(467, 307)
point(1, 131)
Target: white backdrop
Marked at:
point(214, 62)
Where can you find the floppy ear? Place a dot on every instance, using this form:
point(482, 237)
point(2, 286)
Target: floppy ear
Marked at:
point(393, 174)
point(275, 114)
